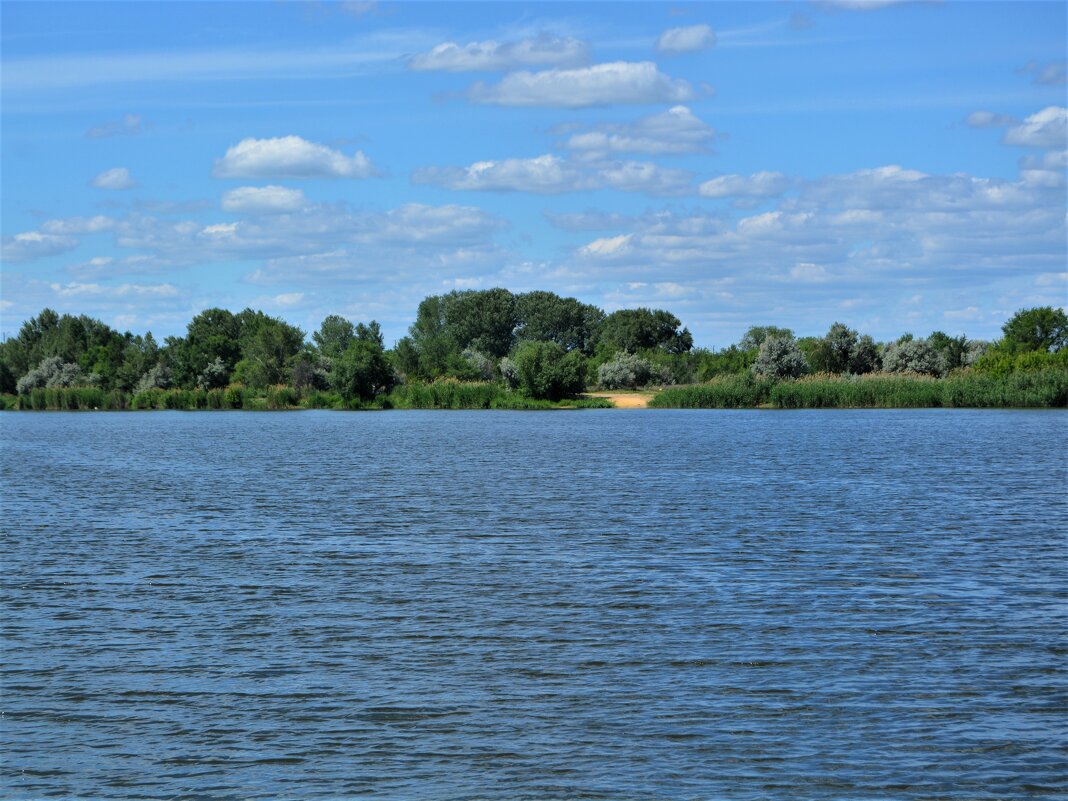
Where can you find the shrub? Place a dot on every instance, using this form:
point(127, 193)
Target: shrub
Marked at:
point(624, 371)
point(545, 371)
point(913, 356)
point(50, 372)
point(780, 358)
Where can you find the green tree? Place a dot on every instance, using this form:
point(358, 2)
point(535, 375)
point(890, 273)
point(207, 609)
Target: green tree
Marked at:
point(1043, 328)
point(546, 371)
point(953, 350)
point(756, 335)
point(635, 330)
point(483, 320)
point(212, 334)
point(362, 371)
point(334, 336)
point(268, 352)
point(547, 317)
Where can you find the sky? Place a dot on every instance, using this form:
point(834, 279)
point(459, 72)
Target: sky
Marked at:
point(895, 166)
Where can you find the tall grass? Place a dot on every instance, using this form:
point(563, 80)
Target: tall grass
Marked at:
point(965, 389)
point(722, 392)
point(446, 394)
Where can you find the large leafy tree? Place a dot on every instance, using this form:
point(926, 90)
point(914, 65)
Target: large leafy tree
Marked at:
point(756, 335)
point(334, 336)
point(1043, 328)
point(268, 352)
point(635, 330)
point(212, 334)
point(363, 371)
point(545, 316)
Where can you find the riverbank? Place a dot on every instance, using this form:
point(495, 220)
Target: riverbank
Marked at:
point(1031, 389)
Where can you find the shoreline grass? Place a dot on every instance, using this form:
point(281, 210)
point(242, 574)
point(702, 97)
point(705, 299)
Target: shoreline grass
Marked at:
point(1034, 390)
point(448, 394)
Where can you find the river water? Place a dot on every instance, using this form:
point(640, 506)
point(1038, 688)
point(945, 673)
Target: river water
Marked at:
point(555, 605)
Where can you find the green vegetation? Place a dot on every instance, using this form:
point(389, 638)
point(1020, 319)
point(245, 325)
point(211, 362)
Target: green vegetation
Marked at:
point(493, 349)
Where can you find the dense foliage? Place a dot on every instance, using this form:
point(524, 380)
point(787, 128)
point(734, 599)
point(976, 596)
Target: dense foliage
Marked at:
point(495, 349)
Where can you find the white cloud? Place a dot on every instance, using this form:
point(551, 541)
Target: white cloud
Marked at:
point(607, 246)
point(546, 174)
point(288, 298)
point(969, 313)
point(35, 245)
point(78, 225)
point(988, 119)
point(123, 291)
point(290, 157)
point(686, 40)
point(1045, 128)
point(599, 85)
point(760, 184)
point(127, 125)
point(490, 55)
point(115, 178)
point(677, 130)
point(262, 200)
point(550, 175)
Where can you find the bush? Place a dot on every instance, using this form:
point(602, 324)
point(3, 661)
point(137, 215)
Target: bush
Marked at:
point(624, 371)
point(913, 356)
point(546, 372)
point(51, 372)
point(779, 358)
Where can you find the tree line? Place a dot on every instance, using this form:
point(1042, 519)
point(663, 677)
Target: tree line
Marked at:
point(536, 344)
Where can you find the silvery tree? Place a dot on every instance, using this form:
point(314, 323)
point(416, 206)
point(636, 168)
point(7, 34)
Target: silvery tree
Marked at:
point(158, 377)
point(780, 358)
point(51, 372)
point(913, 356)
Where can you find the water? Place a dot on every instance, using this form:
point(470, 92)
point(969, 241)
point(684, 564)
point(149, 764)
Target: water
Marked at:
point(562, 605)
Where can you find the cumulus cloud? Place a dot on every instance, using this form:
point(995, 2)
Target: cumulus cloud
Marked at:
point(689, 39)
point(314, 229)
point(543, 50)
point(127, 125)
point(843, 239)
point(1045, 128)
point(262, 200)
point(550, 175)
point(115, 178)
point(546, 174)
point(599, 85)
point(757, 185)
point(33, 245)
point(290, 157)
point(677, 130)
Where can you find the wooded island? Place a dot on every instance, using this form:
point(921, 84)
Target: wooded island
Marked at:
point(495, 349)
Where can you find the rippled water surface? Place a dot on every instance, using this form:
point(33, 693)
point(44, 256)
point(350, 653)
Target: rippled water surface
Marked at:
point(507, 605)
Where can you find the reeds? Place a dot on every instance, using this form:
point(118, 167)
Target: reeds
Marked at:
point(723, 392)
point(965, 389)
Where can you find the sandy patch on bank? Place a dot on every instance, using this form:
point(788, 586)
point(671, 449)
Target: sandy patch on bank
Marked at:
point(625, 400)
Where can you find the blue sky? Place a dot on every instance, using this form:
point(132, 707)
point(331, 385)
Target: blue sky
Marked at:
point(894, 166)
